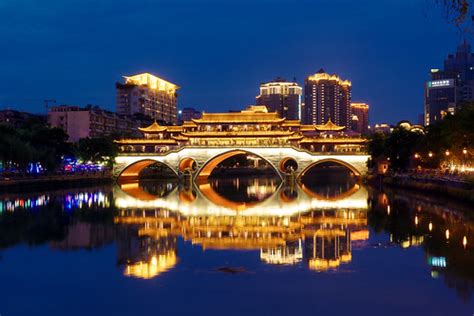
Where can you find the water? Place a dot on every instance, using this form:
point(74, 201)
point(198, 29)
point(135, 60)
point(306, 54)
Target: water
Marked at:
point(235, 246)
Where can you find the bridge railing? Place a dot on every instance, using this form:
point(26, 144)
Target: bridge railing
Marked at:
point(175, 149)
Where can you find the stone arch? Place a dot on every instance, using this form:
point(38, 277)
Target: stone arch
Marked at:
point(187, 164)
point(205, 171)
point(286, 163)
point(333, 160)
point(132, 171)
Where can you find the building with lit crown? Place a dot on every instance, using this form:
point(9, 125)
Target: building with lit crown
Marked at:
point(281, 96)
point(148, 95)
point(450, 87)
point(360, 117)
point(327, 98)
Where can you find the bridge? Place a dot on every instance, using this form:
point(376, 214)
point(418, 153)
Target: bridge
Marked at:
point(197, 147)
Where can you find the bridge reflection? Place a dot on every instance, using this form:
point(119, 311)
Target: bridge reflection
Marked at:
point(290, 225)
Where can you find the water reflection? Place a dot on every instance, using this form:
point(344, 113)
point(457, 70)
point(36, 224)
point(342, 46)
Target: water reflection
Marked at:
point(279, 224)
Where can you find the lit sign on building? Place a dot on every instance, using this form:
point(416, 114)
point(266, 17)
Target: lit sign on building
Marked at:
point(441, 83)
point(439, 262)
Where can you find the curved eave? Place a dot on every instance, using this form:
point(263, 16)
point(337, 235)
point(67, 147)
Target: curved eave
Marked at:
point(153, 128)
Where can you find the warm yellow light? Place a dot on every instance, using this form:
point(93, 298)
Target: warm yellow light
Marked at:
point(464, 241)
point(430, 226)
point(447, 153)
point(417, 156)
point(447, 233)
point(430, 154)
point(416, 220)
point(388, 209)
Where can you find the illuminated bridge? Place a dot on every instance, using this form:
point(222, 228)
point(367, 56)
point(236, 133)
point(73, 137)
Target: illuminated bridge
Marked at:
point(197, 147)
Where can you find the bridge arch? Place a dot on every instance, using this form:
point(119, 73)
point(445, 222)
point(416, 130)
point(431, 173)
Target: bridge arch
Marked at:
point(288, 163)
point(205, 171)
point(132, 171)
point(333, 160)
point(187, 164)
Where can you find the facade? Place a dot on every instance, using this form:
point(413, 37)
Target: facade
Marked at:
point(281, 96)
point(327, 98)
point(148, 95)
point(90, 121)
point(450, 87)
point(360, 117)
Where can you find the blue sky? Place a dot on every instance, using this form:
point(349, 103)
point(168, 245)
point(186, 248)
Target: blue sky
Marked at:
point(220, 51)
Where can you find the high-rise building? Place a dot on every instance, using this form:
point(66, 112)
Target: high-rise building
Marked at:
point(360, 117)
point(281, 96)
point(327, 97)
point(450, 87)
point(188, 114)
point(148, 95)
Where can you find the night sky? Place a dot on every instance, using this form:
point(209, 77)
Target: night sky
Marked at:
point(220, 51)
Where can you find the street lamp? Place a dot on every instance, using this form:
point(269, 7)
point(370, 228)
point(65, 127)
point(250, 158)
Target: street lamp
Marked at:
point(464, 151)
point(447, 153)
point(430, 154)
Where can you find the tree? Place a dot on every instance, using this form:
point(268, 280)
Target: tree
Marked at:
point(101, 149)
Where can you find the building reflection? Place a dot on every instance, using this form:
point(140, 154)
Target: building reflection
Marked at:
point(320, 238)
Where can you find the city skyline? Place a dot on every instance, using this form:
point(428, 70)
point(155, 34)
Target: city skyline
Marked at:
point(212, 55)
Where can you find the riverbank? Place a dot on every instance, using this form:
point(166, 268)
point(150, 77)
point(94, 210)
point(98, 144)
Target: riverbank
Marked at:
point(54, 181)
point(458, 190)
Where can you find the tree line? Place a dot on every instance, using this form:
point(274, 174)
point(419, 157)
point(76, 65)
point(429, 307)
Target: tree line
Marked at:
point(37, 143)
point(450, 139)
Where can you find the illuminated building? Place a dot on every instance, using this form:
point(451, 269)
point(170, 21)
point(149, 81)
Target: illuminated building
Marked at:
point(224, 135)
point(360, 120)
point(449, 88)
point(148, 95)
point(90, 121)
point(254, 126)
point(327, 98)
point(254, 130)
point(383, 128)
point(281, 96)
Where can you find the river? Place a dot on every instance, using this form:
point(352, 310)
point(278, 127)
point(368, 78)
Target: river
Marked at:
point(234, 247)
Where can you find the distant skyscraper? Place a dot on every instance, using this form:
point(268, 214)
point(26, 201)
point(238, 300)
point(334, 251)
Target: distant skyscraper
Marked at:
point(361, 112)
point(281, 96)
point(450, 87)
point(187, 114)
point(327, 97)
point(148, 95)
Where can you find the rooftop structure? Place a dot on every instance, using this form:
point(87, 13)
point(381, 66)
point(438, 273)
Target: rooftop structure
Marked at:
point(254, 126)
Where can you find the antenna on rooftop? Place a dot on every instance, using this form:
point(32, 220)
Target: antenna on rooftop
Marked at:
point(46, 104)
